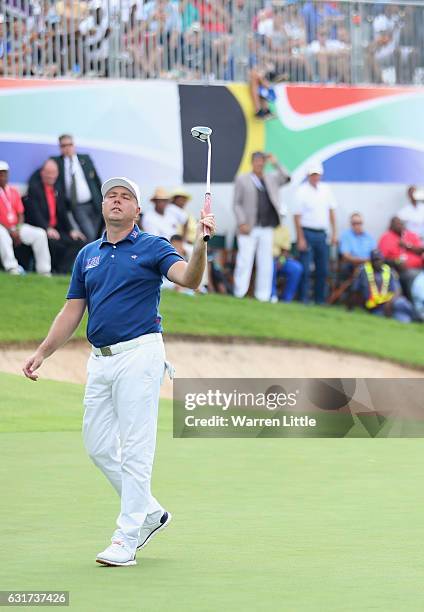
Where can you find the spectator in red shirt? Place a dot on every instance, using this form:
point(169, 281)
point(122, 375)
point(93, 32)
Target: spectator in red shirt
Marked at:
point(45, 207)
point(214, 16)
point(14, 231)
point(403, 251)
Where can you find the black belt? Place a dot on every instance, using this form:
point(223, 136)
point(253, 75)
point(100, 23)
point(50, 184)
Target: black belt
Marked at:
point(317, 231)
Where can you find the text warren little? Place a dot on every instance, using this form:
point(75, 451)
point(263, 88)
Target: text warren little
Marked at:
point(245, 421)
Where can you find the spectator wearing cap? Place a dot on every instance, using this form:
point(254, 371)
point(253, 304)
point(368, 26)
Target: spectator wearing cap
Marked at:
point(14, 231)
point(379, 291)
point(355, 245)
point(79, 180)
point(257, 211)
point(412, 214)
point(314, 210)
point(45, 207)
point(158, 221)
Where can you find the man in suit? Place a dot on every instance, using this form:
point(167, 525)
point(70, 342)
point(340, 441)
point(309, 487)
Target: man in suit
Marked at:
point(256, 206)
point(45, 207)
point(79, 181)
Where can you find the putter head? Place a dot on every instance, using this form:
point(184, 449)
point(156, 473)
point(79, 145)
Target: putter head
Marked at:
point(201, 132)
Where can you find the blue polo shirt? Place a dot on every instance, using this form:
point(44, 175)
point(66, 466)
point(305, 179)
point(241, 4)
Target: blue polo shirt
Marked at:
point(357, 245)
point(121, 284)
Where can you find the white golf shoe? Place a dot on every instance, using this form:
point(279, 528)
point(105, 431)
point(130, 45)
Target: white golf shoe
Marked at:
point(148, 530)
point(117, 554)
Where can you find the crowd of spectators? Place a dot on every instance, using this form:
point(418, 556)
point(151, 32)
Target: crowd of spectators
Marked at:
point(58, 215)
point(277, 40)
point(385, 276)
point(61, 211)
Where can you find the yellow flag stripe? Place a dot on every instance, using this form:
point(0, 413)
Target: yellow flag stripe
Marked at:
point(255, 128)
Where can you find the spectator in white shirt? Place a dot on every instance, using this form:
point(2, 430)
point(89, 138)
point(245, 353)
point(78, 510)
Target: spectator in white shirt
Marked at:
point(314, 210)
point(412, 214)
point(159, 221)
point(175, 209)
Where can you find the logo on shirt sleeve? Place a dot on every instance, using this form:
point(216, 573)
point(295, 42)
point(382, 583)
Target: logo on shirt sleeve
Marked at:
point(92, 262)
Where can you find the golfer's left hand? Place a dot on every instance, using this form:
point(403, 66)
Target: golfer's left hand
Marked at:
point(208, 221)
point(31, 365)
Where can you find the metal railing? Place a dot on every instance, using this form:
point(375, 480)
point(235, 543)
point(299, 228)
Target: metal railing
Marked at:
point(221, 40)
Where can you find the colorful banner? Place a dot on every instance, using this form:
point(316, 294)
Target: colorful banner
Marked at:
point(130, 128)
point(360, 134)
point(142, 129)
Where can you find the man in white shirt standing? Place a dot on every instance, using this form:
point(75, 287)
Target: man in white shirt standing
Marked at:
point(412, 214)
point(314, 211)
point(80, 182)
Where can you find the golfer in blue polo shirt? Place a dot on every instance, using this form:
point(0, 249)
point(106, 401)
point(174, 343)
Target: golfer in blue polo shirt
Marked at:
point(118, 279)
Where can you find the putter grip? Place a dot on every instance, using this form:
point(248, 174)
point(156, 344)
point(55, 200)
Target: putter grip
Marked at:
point(207, 209)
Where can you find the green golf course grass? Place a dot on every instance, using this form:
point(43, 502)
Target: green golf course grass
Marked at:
point(29, 304)
point(259, 524)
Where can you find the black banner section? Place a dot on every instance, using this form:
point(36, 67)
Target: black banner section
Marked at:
point(216, 107)
point(298, 408)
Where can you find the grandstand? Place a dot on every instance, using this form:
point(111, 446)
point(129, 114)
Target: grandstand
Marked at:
point(206, 41)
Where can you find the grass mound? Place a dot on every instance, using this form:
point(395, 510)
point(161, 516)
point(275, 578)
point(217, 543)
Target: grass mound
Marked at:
point(29, 304)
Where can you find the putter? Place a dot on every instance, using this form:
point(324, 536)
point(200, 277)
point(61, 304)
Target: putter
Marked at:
point(203, 134)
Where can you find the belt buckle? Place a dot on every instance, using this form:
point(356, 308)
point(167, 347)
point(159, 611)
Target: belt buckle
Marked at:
point(106, 351)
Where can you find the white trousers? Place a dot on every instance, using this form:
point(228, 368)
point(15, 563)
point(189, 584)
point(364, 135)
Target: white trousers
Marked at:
point(36, 238)
point(119, 428)
point(259, 243)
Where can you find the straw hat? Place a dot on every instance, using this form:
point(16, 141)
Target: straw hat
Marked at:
point(160, 194)
point(180, 191)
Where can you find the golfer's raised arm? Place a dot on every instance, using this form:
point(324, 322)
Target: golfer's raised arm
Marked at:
point(190, 274)
point(60, 331)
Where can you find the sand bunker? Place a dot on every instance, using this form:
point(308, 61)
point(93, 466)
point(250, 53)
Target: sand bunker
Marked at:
point(208, 359)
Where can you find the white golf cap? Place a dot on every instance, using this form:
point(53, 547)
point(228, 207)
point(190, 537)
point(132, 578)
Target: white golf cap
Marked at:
point(121, 181)
point(316, 168)
point(4, 165)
